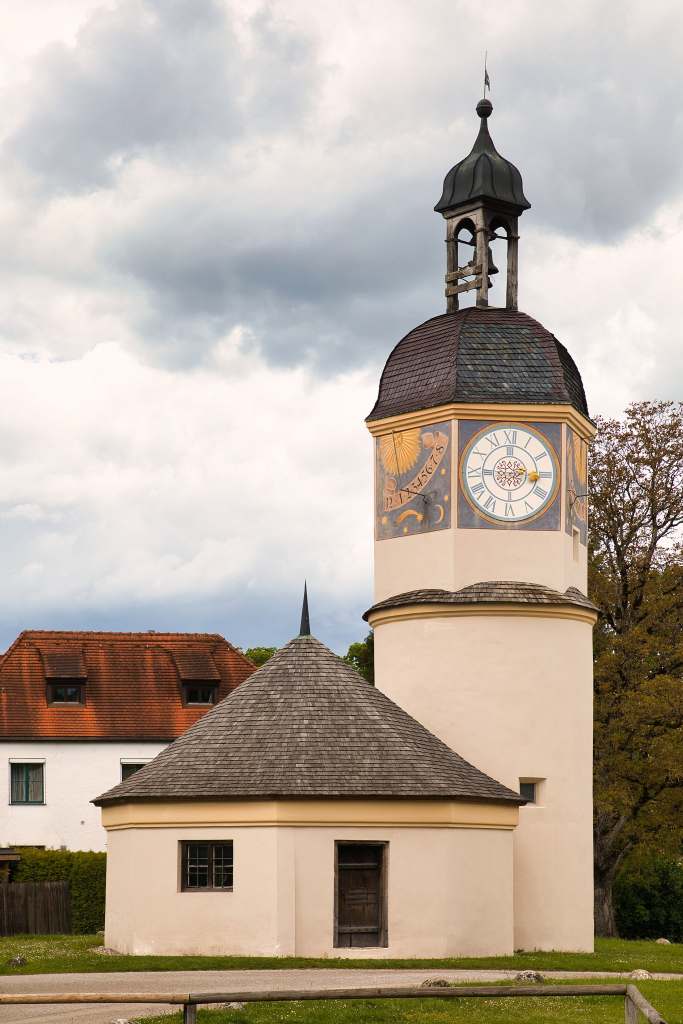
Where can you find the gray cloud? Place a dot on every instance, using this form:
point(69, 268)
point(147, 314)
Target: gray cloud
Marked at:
point(162, 78)
point(212, 212)
point(311, 225)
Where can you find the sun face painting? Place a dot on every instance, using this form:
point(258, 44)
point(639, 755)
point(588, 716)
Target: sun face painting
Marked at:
point(413, 481)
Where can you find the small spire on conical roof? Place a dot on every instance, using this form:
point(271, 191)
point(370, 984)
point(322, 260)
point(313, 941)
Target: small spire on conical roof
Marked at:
point(305, 628)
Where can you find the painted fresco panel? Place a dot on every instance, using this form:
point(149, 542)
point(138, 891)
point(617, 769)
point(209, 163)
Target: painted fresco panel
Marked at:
point(413, 481)
point(549, 435)
point(576, 470)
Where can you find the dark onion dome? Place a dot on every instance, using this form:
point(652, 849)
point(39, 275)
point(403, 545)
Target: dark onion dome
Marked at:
point(306, 725)
point(492, 592)
point(486, 355)
point(483, 174)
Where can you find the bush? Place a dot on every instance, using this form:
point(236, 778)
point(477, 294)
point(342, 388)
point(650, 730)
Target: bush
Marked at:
point(84, 871)
point(648, 898)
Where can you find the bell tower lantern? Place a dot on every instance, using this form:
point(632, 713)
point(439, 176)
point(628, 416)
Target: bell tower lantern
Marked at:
point(482, 199)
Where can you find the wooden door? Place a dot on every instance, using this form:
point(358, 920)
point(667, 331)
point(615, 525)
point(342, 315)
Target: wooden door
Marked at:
point(361, 895)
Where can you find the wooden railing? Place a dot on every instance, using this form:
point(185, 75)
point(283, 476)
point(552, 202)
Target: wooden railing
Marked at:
point(634, 1001)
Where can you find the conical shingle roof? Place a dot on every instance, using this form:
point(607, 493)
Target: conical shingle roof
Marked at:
point(306, 725)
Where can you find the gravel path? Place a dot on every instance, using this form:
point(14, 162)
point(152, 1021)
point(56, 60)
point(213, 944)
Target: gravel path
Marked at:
point(224, 981)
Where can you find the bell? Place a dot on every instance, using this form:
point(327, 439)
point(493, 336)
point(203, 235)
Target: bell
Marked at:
point(493, 269)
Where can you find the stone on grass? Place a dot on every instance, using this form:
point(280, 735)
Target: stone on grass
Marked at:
point(104, 951)
point(533, 976)
point(640, 974)
point(662, 942)
point(16, 961)
point(436, 983)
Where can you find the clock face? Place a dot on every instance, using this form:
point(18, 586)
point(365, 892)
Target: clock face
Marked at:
point(509, 473)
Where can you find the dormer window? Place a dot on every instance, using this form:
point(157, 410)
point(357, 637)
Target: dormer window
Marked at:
point(66, 692)
point(199, 693)
point(65, 674)
point(199, 677)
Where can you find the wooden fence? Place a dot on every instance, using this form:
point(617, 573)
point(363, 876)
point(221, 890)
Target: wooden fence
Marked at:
point(35, 908)
point(635, 1002)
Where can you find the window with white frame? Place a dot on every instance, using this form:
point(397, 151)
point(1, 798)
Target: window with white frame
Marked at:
point(27, 782)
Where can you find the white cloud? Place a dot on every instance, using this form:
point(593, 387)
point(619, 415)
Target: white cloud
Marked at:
point(215, 223)
point(615, 308)
point(128, 480)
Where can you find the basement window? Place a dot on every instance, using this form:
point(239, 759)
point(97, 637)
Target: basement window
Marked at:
point(206, 866)
point(199, 693)
point(27, 783)
point(66, 691)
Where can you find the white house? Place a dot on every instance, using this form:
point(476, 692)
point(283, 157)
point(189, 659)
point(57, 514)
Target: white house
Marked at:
point(81, 711)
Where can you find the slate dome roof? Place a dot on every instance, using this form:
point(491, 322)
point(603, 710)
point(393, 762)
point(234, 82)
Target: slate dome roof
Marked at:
point(491, 592)
point(483, 174)
point(486, 355)
point(306, 725)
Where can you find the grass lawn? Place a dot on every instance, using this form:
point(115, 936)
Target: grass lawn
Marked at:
point(665, 996)
point(53, 954)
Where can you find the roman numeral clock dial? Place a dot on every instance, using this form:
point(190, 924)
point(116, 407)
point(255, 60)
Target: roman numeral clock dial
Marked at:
point(509, 473)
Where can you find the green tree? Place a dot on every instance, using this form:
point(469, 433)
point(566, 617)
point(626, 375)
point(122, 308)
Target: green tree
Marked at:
point(260, 655)
point(362, 656)
point(636, 577)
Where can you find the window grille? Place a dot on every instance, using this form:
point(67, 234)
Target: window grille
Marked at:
point(207, 866)
point(27, 784)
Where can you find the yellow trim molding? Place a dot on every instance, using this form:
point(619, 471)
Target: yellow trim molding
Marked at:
point(445, 611)
point(311, 814)
point(489, 411)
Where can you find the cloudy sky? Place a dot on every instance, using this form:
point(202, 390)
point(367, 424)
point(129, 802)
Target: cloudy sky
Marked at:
point(216, 221)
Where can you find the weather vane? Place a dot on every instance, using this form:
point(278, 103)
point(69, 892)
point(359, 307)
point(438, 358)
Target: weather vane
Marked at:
point(487, 80)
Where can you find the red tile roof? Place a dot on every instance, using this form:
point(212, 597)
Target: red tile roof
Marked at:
point(133, 683)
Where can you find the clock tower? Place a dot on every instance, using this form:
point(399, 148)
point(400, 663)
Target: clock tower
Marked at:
point(483, 630)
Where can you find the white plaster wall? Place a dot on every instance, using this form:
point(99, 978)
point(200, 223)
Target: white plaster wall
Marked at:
point(147, 913)
point(449, 892)
point(513, 695)
point(74, 774)
point(414, 563)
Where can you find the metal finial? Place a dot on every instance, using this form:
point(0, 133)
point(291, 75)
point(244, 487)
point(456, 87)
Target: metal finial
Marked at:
point(305, 628)
point(487, 80)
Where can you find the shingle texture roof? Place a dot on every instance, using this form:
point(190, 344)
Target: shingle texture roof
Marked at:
point(307, 725)
point(133, 683)
point(478, 355)
point(492, 592)
point(483, 174)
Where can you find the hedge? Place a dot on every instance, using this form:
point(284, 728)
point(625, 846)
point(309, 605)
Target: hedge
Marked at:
point(85, 872)
point(648, 898)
